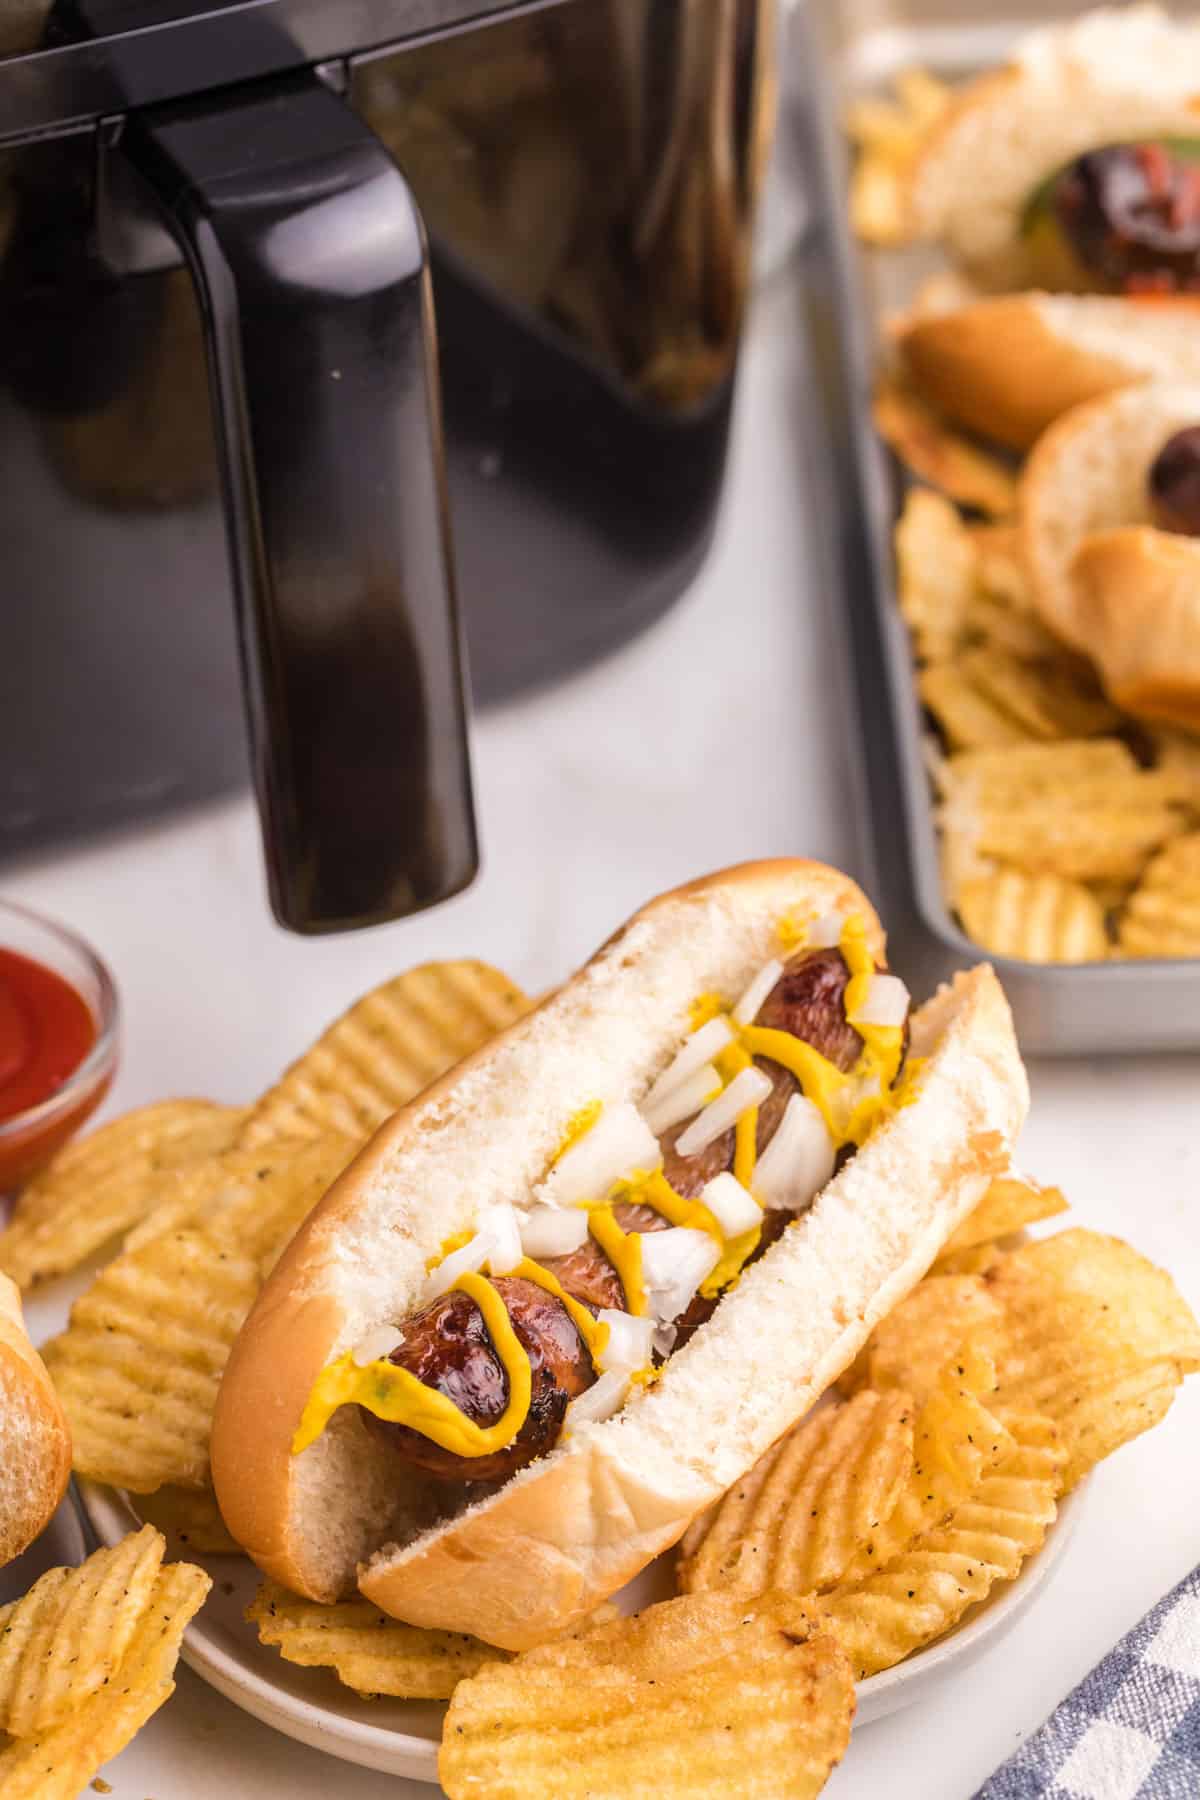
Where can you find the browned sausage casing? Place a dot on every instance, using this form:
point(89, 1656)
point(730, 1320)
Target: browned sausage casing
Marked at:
point(446, 1346)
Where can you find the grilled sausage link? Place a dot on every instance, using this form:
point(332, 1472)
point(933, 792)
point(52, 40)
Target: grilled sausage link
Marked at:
point(446, 1344)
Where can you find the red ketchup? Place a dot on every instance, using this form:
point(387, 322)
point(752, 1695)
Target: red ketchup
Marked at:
point(46, 1031)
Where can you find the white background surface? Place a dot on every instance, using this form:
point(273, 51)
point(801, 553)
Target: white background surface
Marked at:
point(718, 736)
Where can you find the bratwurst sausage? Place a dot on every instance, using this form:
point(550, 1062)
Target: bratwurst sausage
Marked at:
point(446, 1344)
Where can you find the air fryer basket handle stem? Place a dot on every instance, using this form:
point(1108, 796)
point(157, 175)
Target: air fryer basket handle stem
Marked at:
point(309, 256)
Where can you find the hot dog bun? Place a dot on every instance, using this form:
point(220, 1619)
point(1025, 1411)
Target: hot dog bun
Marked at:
point(35, 1445)
point(1009, 366)
point(1137, 599)
point(1087, 474)
point(1118, 73)
point(544, 1548)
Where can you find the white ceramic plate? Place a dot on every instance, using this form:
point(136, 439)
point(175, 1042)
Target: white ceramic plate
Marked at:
point(61, 1545)
point(401, 1736)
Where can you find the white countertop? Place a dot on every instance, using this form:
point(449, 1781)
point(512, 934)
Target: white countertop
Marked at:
point(719, 735)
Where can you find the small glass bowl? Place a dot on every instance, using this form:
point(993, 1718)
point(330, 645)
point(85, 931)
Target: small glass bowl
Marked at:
point(29, 1139)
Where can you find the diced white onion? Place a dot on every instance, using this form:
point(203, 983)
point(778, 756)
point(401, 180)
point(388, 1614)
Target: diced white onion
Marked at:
point(799, 1159)
point(618, 1143)
point(746, 1010)
point(468, 1260)
point(733, 1207)
point(674, 1263)
point(886, 1002)
point(630, 1340)
point(377, 1345)
point(606, 1396)
point(825, 932)
point(700, 1048)
point(693, 1092)
point(504, 1229)
point(495, 1247)
point(664, 1339)
point(553, 1230)
point(750, 1088)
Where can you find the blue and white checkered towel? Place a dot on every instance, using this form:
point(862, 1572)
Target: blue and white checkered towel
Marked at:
point(1131, 1729)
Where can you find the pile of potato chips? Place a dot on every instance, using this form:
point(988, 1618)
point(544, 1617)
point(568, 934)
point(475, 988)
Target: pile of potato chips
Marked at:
point(1070, 832)
point(887, 134)
point(985, 1396)
point(86, 1656)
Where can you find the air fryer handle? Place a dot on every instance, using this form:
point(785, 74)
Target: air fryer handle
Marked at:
point(309, 256)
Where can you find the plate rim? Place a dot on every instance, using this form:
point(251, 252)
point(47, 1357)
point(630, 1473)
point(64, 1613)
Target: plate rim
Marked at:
point(321, 1727)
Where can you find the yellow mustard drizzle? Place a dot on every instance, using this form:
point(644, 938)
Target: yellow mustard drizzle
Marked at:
point(703, 1008)
point(730, 1062)
point(399, 1397)
point(884, 1043)
point(624, 1251)
point(594, 1333)
point(738, 1250)
point(745, 1147)
point(449, 1246)
point(656, 1191)
point(792, 929)
point(821, 1080)
point(578, 1125)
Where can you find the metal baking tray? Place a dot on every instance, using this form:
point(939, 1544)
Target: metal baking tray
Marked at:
point(838, 48)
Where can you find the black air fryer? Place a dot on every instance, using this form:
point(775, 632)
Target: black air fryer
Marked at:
point(313, 314)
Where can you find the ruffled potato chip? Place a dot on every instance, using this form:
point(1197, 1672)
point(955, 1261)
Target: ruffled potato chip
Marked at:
point(1107, 843)
point(1162, 914)
point(1010, 1204)
point(1051, 699)
point(367, 1650)
point(957, 1439)
point(1110, 1412)
point(889, 134)
point(823, 1491)
point(969, 719)
point(977, 1260)
point(1085, 770)
point(924, 1592)
point(935, 573)
point(103, 1183)
point(55, 1764)
point(1080, 809)
point(138, 1367)
point(709, 1694)
point(66, 1637)
point(379, 1055)
point(908, 1349)
point(1002, 572)
point(1037, 918)
point(1067, 1319)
